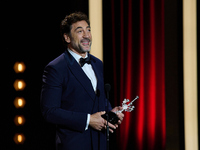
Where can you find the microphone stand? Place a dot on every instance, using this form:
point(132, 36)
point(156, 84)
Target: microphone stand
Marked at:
point(107, 88)
point(107, 127)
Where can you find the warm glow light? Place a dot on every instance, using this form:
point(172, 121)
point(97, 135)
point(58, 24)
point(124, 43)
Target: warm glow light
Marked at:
point(19, 120)
point(19, 102)
point(95, 16)
point(19, 138)
point(190, 74)
point(19, 85)
point(19, 67)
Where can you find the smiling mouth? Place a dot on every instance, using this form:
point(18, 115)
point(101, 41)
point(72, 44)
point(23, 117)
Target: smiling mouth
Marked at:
point(85, 42)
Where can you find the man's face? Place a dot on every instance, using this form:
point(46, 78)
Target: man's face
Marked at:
point(80, 38)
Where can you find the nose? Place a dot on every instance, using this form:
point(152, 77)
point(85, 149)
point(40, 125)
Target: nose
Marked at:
point(86, 34)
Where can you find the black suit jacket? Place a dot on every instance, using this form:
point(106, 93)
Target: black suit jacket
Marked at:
point(67, 97)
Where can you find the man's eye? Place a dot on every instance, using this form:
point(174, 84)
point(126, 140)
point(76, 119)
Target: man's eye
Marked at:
point(79, 31)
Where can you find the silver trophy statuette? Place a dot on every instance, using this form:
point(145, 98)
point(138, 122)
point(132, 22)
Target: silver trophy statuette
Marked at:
point(113, 118)
point(127, 107)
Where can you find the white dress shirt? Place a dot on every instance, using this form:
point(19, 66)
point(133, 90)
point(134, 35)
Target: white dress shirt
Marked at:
point(87, 68)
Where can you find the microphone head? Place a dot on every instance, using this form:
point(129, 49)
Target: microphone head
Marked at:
point(107, 87)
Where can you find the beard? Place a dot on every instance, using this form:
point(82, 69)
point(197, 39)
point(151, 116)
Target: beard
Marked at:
point(79, 47)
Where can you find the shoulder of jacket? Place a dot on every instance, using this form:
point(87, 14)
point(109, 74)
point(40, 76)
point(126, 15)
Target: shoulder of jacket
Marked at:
point(95, 59)
point(58, 63)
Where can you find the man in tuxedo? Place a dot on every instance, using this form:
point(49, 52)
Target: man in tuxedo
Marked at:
point(73, 95)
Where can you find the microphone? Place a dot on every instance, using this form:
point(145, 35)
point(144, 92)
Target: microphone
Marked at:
point(107, 89)
point(109, 116)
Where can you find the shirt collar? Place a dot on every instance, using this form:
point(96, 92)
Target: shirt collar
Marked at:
point(76, 56)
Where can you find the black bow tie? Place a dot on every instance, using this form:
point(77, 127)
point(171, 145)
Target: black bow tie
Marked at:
point(84, 60)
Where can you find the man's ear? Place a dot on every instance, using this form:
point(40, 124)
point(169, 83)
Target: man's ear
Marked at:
point(67, 38)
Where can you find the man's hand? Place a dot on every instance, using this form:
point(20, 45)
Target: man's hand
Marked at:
point(98, 123)
point(120, 115)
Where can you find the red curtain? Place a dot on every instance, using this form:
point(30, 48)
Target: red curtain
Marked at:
point(139, 69)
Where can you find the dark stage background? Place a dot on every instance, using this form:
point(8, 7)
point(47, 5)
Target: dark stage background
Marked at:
point(31, 34)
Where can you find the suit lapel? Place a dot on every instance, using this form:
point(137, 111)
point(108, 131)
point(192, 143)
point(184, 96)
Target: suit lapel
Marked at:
point(80, 75)
point(98, 69)
point(97, 73)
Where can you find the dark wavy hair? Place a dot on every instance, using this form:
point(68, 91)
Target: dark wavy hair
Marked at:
point(66, 24)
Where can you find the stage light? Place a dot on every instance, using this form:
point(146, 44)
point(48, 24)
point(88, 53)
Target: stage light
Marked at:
point(19, 138)
point(19, 102)
point(19, 67)
point(19, 120)
point(19, 85)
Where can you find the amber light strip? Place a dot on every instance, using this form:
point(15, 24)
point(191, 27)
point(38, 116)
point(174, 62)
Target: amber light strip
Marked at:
point(190, 74)
point(95, 16)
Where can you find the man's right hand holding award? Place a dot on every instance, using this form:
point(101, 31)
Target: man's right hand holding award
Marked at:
point(98, 120)
point(99, 123)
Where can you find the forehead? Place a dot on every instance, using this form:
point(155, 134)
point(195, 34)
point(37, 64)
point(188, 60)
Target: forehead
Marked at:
point(82, 24)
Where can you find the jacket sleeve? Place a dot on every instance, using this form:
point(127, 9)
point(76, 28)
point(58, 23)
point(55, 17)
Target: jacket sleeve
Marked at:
point(50, 102)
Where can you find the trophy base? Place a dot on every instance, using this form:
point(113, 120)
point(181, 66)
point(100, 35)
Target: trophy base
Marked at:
point(112, 117)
